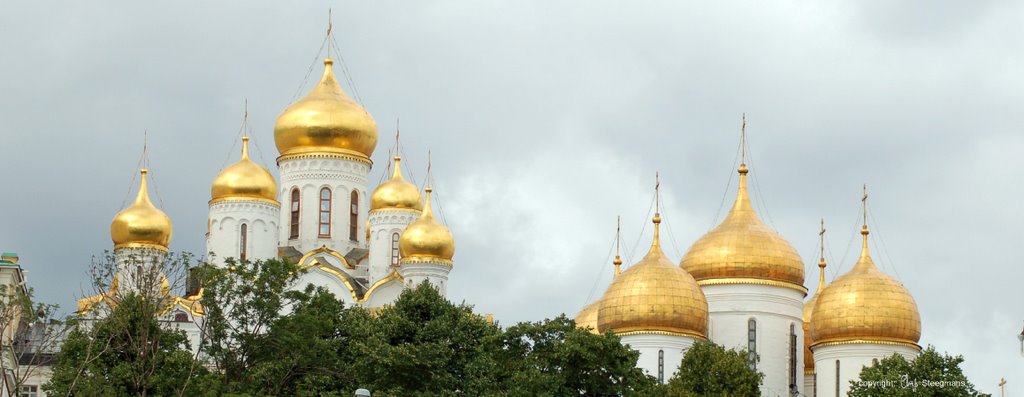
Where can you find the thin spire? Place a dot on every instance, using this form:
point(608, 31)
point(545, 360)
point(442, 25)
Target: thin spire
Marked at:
point(743, 142)
point(330, 30)
point(429, 161)
point(397, 175)
point(864, 200)
point(821, 261)
point(618, 236)
point(657, 213)
point(245, 147)
point(865, 254)
point(142, 198)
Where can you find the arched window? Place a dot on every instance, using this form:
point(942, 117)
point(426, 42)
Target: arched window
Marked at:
point(661, 366)
point(353, 217)
point(837, 378)
point(180, 317)
point(325, 213)
point(243, 241)
point(394, 249)
point(792, 358)
point(294, 233)
point(752, 344)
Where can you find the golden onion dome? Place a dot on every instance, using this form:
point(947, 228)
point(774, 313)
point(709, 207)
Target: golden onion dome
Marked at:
point(865, 304)
point(244, 180)
point(396, 192)
point(743, 250)
point(587, 318)
point(426, 238)
point(326, 121)
point(654, 296)
point(141, 224)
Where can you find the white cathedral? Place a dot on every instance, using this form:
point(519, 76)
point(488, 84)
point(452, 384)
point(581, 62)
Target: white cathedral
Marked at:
point(363, 247)
point(741, 285)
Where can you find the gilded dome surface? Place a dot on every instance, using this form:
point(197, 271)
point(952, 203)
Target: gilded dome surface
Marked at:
point(588, 317)
point(396, 192)
point(742, 247)
point(141, 224)
point(865, 304)
point(654, 296)
point(244, 179)
point(326, 121)
point(426, 238)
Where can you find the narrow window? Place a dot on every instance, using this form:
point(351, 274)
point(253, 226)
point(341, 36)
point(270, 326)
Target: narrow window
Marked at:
point(837, 378)
point(294, 234)
point(394, 249)
point(752, 344)
point(661, 366)
point(792, 358)
point(243, 241)
point(353, 217)
point(325, 213)
point(180, 317)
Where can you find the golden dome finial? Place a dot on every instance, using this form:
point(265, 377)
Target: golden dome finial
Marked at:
point(244, 180)
point(426, 238)
point(821, 260)
point(326, 121)
point(141, 224)
point(618, 236)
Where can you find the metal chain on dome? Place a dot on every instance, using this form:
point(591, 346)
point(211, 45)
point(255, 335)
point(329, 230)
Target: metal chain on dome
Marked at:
point(345, 71)
point(728, 184)
point(668, 228)
point(241, 129)
point(135, 172)
point(600, 274)
point(316, 58)
point(883, 248)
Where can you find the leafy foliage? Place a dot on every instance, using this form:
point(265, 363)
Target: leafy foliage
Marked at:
point(929, 374)
point(709, 370)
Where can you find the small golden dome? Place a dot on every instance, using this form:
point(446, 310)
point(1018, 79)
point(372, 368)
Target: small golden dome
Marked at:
point(141, 224)
point(326, 120)
point(588, 317)
point(743, 247)
point(244, 180)
point(654, 296)
point(865, 305)
point(426, 238)
point(396, 192)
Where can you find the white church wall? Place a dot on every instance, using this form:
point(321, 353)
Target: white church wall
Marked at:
point(775, 309)
point(383, 224)
point(226, 217)
point(851, 358)
point(660, 354)
point(310, 175)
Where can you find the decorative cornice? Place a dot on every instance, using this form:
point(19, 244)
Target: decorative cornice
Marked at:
point(249, 200)
point(669, 333)
point(425, 260)
point(351, 156)
point(888, 342)
point(144, 246)
point(753, 281)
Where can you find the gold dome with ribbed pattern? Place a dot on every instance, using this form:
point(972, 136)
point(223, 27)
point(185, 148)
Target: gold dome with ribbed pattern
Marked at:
point(396, 192)
point(326, 121)
point(654, 296)
point(141, 224)
point(426, 238)
point(742, 249)
point(244, 180)
point(865, 304)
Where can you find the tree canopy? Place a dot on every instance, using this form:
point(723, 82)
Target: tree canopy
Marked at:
point(928, 374)
point(710, 370)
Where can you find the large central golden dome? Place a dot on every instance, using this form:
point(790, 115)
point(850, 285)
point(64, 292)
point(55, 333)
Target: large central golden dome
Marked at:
point(744, 250)
point(141, 224)
point(396, 192)
point(654, 296)
point(326, 121)
point(244, 180)
point(865, 305)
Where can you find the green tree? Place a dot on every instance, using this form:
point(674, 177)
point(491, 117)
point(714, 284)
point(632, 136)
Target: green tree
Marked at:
point(241, 301)
point(929, 374)
point(555, 358)
point(710, 370)
point(127, 353)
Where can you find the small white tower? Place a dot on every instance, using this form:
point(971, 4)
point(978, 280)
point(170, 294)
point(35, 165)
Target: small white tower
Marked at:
point(325, 141)
point(426, 248)
point(244, 212)
point(393, 206)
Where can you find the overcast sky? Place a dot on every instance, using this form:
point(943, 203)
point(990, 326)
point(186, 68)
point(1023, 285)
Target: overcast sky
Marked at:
point(547, 119)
